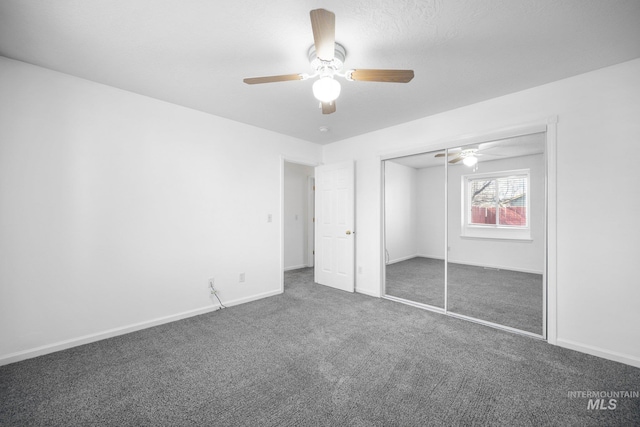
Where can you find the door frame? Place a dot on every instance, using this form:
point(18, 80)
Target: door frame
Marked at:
point(311, 214)
point(298, 161)
point(549, 126)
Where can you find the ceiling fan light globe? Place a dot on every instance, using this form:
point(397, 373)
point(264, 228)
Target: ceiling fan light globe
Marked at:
point(470, 161)
point(326, 89)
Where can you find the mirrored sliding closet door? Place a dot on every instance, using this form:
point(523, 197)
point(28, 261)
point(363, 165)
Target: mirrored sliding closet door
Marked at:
point(476, 212)
point(496, 209)
point(415, 228)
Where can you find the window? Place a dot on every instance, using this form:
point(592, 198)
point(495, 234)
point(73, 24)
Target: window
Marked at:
point(496, 201)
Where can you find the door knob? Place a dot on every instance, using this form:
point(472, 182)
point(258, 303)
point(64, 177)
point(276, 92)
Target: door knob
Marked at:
point(348, 231)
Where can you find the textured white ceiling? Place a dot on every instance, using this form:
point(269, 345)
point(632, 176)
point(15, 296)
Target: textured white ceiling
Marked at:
point(195, 53)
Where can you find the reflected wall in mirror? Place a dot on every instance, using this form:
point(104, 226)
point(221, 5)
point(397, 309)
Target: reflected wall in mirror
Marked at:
point(414, 195)
point(496, 232)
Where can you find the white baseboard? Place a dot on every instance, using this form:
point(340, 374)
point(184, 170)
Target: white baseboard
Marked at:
point(296, 267)
point(431, 256)
point(404, 258)
point(251, 298)
point(86, 339)
point(599, 352)
point(500, 267)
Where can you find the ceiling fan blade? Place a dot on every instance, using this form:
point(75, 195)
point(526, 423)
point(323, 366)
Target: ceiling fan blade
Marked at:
point(328, 107)
point(444, 155)
point(390, 76)
point(456, 160)
point(323, 24)
point(273, 79)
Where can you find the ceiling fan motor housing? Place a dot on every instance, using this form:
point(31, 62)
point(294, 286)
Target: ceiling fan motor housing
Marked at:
point(327, 67)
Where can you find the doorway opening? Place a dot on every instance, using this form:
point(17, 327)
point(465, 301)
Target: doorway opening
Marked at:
point(298, 206)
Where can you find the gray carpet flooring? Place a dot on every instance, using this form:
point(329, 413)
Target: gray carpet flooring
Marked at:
point(417, 279)
point(315, 356)
point(505, 297)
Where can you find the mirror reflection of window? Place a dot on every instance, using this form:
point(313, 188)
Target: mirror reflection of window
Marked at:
point(496, 232)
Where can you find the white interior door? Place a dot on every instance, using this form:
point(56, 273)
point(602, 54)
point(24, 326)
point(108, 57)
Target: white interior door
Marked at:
point(335, 239)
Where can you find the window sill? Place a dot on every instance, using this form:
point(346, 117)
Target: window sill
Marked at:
point(491, 233)
point(503, 238)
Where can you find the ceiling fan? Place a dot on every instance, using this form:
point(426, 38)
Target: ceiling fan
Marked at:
point(327, 58)
point(468, 156)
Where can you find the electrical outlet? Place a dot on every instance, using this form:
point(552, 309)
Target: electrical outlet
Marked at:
point(269, 218)
point(212, 288)
point(241, 277)
point(360, 270)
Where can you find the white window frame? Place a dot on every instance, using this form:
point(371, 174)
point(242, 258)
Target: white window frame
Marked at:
point(494, 231)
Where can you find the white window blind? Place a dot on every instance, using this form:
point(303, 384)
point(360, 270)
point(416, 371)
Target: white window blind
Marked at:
point(498, 201)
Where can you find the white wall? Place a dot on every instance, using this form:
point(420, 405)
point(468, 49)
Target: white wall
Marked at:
point(400, 212)
point(431, 224)
point(598, 112)
point(295, 215)
point(518, 255)
point(116, 209)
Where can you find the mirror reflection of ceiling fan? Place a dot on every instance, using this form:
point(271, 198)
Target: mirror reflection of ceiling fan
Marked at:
point(469, 155)
point(327, 58)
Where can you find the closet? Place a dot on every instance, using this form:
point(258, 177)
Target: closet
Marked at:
point(464, 231)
